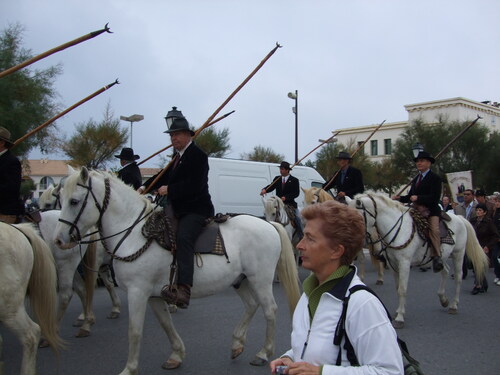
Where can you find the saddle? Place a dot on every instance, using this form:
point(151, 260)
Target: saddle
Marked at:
point(422, 225)
point(162, 227)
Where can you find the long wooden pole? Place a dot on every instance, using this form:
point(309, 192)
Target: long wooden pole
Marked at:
point(309, 153)
point(43, 55)
point(207, 122)
point(330, 181)
point(170, 145)
point(455, 138)
point(65, 111)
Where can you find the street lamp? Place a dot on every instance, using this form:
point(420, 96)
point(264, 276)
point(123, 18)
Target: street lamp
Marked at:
point(417, 148)
point(333, 140)
point(172, 115)
point(132, 119)
point(295, 110)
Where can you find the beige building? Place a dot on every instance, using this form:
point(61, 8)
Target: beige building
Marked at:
point(456, 109)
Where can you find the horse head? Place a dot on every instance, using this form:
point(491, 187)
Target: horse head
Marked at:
point(315, 195)
point(274, 210)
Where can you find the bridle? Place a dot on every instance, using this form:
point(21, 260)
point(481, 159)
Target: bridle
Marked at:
point(102, 209)
point(281, 216)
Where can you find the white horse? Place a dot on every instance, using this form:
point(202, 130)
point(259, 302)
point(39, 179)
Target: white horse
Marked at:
point(27, 269)
point(254, 248)
point(316, 195)
point(404, 247)
point(67, 262)
point(274, 210)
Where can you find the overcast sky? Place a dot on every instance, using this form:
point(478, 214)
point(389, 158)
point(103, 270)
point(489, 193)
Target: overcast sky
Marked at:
point(353, 63)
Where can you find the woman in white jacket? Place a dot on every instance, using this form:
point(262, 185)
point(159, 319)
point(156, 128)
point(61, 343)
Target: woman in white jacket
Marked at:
point(333, 235)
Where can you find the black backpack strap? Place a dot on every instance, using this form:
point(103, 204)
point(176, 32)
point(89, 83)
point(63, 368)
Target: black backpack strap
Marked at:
point(340, 331)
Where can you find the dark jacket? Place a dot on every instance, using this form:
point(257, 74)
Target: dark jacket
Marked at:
point(290, 191)
point(10, 185)
point(188, 184)
point(353, 182)
point(428, 193)
point(486, 232)
point(131, 175)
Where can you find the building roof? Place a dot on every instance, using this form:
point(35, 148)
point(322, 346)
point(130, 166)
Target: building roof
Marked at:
point(46, 167)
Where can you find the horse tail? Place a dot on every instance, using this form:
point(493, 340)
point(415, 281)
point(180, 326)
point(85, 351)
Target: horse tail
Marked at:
point(287, 269)
point(89, 273)
point(474, 251)
point(42, 288)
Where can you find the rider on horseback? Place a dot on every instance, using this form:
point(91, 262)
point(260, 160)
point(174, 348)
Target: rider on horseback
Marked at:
point(186, 185)
point(424, 196)
point(287, 188)
point(348, 182)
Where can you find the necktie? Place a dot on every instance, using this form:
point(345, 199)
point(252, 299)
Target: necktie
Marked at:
point(283, 181)
point(342, 177)
point(176, 161)
point(419, 180)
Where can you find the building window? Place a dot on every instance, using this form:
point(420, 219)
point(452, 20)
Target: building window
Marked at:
point(387, 146)
point(45, 182)
point(362, 149)
point(374, 148)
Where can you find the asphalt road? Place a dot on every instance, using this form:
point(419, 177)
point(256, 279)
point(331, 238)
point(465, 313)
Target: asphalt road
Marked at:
point(466, 343)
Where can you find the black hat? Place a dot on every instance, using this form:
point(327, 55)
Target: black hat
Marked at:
point(127, 154)
point(5, 136)
point(179, 124)
point(480, 193)
point(285, 165)
point(425, 155)
point(344, 155)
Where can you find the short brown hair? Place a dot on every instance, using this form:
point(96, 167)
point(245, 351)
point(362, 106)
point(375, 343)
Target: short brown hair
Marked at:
point(341, 224)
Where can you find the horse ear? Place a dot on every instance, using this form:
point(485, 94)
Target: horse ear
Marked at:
point(71, 170)
point(84, 174)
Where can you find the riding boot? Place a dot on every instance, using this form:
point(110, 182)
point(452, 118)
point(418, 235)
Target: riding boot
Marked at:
point(435, 240)
point(178, 295)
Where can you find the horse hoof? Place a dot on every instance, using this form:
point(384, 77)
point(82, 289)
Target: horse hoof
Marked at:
point(171, 364)
point(444, 302)
point(43, 343)
point(83, 333)
point(398, 324)
point(78, 323)
point(258, 362)
point(379, 282)
point(113, 315)
point(236, 352)
point(452, 311)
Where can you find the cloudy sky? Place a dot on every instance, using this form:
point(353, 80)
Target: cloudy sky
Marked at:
point(353, 63)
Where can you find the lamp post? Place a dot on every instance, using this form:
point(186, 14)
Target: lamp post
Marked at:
point(417, 148)
point(132, 119)
point(295, 110)
point(172, 115)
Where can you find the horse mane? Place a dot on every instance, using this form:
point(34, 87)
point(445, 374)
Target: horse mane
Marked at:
point(385, 200)
point(310, 192)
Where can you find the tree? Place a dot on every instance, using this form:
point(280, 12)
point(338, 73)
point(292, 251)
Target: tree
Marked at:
point(214, 143)
point(475, 150)
point(261, 153)
point(94, 144)
point(384, 176)
point(27, 97)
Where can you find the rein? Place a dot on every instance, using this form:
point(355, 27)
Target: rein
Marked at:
point(102, 209)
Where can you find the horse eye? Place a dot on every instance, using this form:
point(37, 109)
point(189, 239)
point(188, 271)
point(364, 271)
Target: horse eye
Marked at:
point(358, 203)
point(74, 202)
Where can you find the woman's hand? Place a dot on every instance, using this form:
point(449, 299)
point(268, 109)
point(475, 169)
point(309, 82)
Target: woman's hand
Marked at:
point(303, 368)
point(284, 361)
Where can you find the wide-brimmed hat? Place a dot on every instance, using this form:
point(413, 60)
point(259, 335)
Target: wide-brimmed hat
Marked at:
point(480, 193)
point(127, 154)
point(179, 124)
point(344, 155)
point(285, 165)
point(424, 155)
point(5, 136)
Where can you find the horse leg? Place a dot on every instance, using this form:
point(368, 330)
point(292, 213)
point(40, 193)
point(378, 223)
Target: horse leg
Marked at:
point(240, 331)
point(263, 293)
point(88, 313)
point(458, 258)
point(360, 259)
point(402, 276)
point(28, 333)
point(165, 319)
point(442, 284)
point(137, 302)
point(115, 300)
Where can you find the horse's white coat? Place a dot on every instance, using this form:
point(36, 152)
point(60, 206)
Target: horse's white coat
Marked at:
point(254, 248)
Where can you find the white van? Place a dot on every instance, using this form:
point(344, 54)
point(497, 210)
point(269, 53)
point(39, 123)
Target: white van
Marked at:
point(235, 185)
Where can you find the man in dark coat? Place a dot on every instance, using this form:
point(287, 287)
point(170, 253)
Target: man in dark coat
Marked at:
point(11, 205)
point(349, 181)
point(287, 188)
point(130, 172)
point(424, 195)
point(185, 183)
